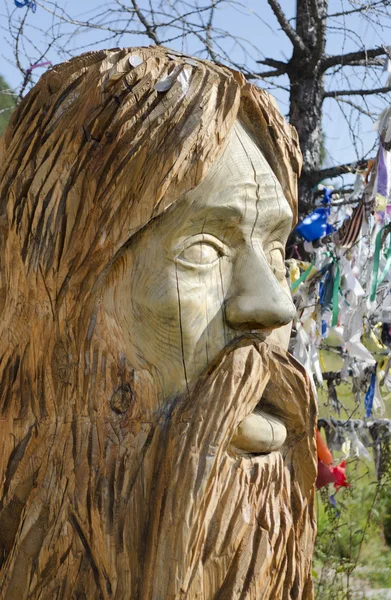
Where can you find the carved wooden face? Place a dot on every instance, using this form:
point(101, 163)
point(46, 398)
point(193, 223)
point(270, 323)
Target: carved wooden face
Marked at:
point(208, 270)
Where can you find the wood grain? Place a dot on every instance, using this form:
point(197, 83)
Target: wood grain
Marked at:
point(105, 492)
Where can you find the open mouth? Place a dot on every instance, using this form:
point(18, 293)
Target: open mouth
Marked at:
point(259, 433)
point(265, 429)
point(282, 416)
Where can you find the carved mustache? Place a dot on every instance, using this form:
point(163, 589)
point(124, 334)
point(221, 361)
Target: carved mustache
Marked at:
point(280, 416)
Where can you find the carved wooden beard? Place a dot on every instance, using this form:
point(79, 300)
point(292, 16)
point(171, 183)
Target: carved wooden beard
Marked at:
point(128, 508)
point(225, 526)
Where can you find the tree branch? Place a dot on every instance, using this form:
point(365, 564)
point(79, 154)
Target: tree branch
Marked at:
point(335, 94)
point(356, 107)
point(279, 68)
point(364, 8)
point(331, 172)
point(274, 73)
point(370, 62)
point(286, 26)
point(351, 57)
point(271, 62)
point(149, 30)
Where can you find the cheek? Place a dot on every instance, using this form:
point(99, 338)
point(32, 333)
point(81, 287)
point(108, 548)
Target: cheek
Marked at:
point(171, 317)
point(155, 311)
point(201, 297)
point(142, 301)
point(203, 326)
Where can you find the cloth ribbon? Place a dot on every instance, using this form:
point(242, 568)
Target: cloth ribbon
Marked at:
point(330, 290)
point(376, 280)
point(315, 225)
point(303, 276)
point(324, 453)
point(336, 475)
point(337, 279)
point(369, 396)
point(30, 3)
point(42, 64)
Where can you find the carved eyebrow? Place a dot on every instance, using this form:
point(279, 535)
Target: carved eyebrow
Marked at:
point(230, 214)
point(227, 214)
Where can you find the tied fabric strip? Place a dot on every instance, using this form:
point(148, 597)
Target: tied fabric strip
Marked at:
point(331, 290)
point(303, 277)
point(350, 230)
point(29, 3)
point(42, 64)
point(369, 396)
point(337, 279)
point(376, 281)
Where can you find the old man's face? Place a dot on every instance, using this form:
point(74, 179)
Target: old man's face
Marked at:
point(207, 271)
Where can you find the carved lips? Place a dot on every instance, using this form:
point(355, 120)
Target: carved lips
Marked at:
point(279, 417)
point(259, 433)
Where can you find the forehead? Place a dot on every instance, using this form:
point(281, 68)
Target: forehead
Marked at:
point(243, 184)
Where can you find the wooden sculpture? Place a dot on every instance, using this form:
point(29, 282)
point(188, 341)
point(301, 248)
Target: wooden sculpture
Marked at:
point(156, 438)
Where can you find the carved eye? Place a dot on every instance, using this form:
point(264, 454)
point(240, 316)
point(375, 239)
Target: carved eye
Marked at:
point(200, 253)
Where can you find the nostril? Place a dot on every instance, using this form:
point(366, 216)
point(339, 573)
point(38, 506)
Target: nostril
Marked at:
point(253, 312)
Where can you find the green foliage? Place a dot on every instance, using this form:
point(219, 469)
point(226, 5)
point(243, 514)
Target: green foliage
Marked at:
point(352, 558)
point(7, 104)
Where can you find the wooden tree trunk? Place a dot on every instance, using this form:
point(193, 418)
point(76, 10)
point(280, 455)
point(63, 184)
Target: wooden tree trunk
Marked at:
point(306, 76)
point(306, 100)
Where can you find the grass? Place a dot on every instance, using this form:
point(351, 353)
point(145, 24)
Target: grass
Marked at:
point(352, 558)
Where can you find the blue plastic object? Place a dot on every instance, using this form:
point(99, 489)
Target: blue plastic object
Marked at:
point(24, 3)
point(315, 225)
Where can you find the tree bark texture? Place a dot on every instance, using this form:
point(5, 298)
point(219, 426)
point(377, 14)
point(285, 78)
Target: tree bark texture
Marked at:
point(306, 76)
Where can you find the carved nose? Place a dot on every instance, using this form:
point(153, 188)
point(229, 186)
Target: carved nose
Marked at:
point(256, 299)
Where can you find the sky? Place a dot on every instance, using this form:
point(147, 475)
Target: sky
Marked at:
point(250, 20)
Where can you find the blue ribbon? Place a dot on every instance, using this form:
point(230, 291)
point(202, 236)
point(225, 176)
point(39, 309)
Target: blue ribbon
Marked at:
point(333, 502)
point(324, 329)
point(327, 193)
point(30, 3)
point(369, 396)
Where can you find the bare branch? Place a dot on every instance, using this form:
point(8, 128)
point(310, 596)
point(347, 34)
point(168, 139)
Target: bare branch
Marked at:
point(356, 107)
point(271, 62)
point(286, 26)
point(149, 30)
point(365, 8)
point(335, 94)
point(351, 57)
point(275, 73)
point(331, 172)
point(208, 33)
point(279, 68)
point(370, 62)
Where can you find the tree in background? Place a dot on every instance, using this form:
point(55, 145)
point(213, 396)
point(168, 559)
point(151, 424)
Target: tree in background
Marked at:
point(311, 76)
point(7, 104)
